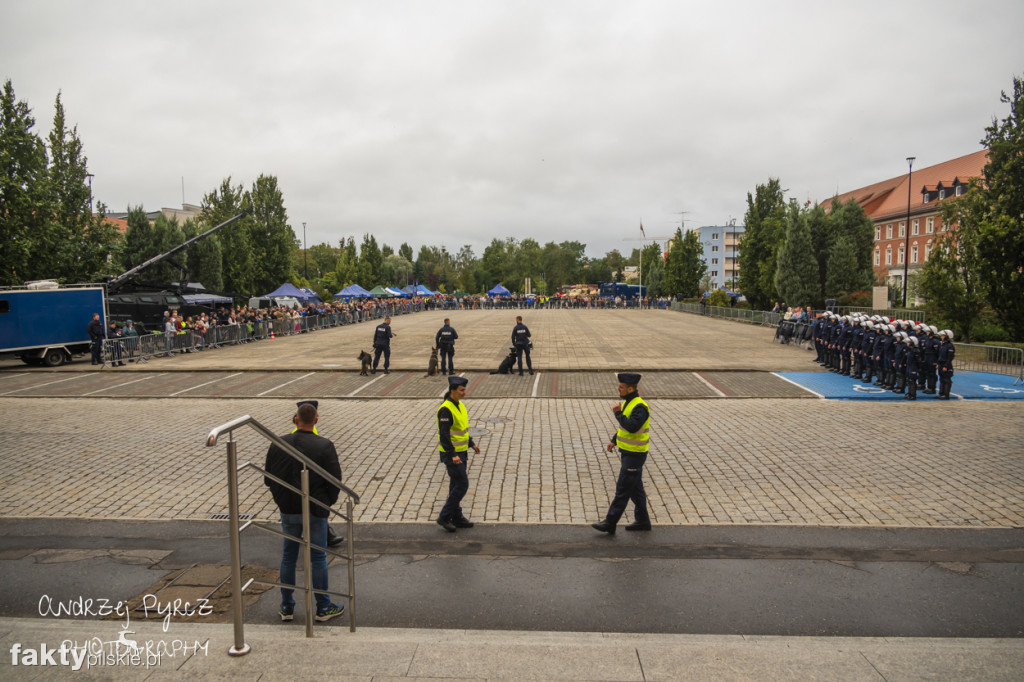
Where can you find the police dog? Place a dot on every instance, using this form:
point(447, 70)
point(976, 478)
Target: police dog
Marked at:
point(506, 364)
point(366, 360)
point(432, 365)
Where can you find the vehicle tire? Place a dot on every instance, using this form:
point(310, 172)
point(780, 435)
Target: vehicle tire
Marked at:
point(55, 357)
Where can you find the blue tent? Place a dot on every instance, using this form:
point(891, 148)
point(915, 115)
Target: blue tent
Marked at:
point(304, 295)
point(499, 290)
point(353, 291)
point(423, 291)
point(396, 291)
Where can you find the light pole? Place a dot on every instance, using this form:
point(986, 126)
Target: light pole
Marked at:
point(90, 176)
point(305, 270)
point(906, 243)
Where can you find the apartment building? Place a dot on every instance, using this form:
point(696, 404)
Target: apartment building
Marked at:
point(721, 252)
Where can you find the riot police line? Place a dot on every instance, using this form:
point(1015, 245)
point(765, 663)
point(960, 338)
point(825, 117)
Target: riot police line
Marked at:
point(902, 356)
point(119, 350)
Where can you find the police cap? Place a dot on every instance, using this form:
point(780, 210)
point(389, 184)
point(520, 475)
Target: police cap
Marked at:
point(314, 403)
point(454, 381)
point(629, 378)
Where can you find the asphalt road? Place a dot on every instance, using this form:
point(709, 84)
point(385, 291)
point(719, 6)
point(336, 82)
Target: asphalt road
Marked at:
point(764, 580)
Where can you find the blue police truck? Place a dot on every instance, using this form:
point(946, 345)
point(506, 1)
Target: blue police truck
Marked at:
point(44, 324)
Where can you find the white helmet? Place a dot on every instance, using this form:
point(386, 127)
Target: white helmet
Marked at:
point(947, 333)
point(892, 328)
point(934, 329)
point(911, 340)
point(886, 319)
point(868, 324)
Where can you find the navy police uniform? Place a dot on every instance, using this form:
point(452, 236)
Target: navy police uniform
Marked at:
point(382, 345)
point(521, 342)
point(632, 439)
point(453, 443)
point(444, 340)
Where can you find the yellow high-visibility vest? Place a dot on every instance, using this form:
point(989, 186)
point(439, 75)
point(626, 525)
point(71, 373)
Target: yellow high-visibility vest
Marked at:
point(460, 426)
point(634, 441)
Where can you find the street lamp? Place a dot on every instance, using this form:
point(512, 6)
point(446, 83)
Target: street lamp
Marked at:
point(305, 270)
point(906, 243)
point(90, 176)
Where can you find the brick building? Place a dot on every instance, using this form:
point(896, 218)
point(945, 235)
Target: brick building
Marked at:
point(885, 203)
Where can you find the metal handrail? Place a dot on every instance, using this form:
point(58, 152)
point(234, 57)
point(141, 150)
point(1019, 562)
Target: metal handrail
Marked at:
point(240, 648)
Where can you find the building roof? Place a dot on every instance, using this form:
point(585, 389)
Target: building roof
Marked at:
point(888, 198)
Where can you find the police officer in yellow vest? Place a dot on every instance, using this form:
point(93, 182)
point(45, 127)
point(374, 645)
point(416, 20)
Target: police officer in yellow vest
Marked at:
point(632, 437)
point(454, 442)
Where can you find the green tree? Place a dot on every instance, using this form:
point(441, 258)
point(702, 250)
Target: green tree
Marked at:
point(684, 267)
point(844, 273)
point(849, 220)
point(139, 242)
point(950, 279)
point(1001, 232)
point(272, 240)
point(399, 269)
point(239, 263)
point(68, 252)
point(765, 222)
point(371, 262)
point(24, 204)
point(616, 263)
point(405, 251)
point(796, 271)
point(167, 235)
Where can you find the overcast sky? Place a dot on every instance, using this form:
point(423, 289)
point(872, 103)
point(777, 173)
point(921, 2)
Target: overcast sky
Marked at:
point(454, 123)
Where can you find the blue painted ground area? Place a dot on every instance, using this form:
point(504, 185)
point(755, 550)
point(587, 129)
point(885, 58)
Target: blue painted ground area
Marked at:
point(966, 386)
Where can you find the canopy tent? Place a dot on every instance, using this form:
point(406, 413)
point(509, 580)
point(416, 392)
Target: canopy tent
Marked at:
point(312, 295)
point(395, 291)
point(353, 291)
point(423, 291)
point(499, 290)
point(409, 290)
point(381, 292)
point(303, 295)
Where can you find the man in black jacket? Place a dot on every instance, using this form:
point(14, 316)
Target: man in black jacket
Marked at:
point(281, 465)
point(95, 330)
point(382, 336)
point(444, 340)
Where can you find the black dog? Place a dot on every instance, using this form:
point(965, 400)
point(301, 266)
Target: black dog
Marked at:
point(432, 365)
point(506, 364)
point(366, 360)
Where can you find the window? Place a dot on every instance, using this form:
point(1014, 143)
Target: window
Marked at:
point(959, 190)
point(5, 306)
point(878, 232)
point(942, 194)
point(917, 227)
point(899, 257)
point(878, 256)
point(888, 231)
point(714, 273)
point(888, 256)
point(928, 249)
point(903, 229)
point(929, 226)
point(913, 253)
point(714, 236)
point(714, 248)
point(714, 261)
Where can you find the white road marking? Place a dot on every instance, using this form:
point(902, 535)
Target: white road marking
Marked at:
point(365, 385)
point(798, 385)
point(29, 388)
point(708, 384)
point(192, 388)
point(124, 384)
point(270, 390)
point(535, 382)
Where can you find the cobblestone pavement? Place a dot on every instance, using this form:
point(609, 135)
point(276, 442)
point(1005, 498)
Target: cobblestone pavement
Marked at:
point(755, 461)
point(563, 340)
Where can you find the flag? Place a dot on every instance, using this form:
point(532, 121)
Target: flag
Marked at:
point(642, 229)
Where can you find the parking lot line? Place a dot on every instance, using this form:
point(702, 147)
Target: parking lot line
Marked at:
point(710, 385)
point(271, 390)
point(192, 388)
point(28, 388)
point(134, 381)
point(364, 386)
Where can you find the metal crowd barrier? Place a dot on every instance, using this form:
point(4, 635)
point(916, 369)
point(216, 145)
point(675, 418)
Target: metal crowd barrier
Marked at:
point(125, 349)
point(971, 357)
point(240, 648)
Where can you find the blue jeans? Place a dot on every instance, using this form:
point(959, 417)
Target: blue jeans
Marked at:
point(291, 524)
